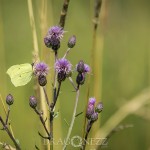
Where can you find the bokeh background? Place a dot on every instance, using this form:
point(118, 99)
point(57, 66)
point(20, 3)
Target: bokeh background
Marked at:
point(121, 64)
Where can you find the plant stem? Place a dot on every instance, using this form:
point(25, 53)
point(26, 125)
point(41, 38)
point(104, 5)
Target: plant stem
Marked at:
point(93, 59)
point(46, 96)
point(57, 94)
point(9, 133)
point(88, 128)
point(71, 81)
point(6, 114)
point(7, 117)
point(73, 119)
point(52, 106)
point(67, 52)
point(43, 122)
point(64, 13)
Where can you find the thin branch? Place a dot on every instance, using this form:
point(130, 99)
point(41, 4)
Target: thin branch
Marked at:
point(71, 81)
point(64, 13)
point(7, 117)
point(53, 103)
point(46, 96)
point(57, 94)
point(67, 52)
point(88, 128)
point(42, 121)
point(10, 134)
point(6, 114)
point(72, 121)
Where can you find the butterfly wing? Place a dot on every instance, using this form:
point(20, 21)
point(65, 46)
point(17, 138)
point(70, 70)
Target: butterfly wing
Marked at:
point(20, 74)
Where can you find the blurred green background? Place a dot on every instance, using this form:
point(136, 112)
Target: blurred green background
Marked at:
point(125, 30)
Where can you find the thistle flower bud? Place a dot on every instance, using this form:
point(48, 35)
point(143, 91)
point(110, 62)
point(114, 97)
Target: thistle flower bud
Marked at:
point(94, 116)
point(80, 66)
point(61, 76)
point(99, 107)
point(9, 99)
point(90, 111)
point(52, 43)
point(42, 80)
point(92, 101)
point(80, 79)
point(33, 102)
point(72, 41)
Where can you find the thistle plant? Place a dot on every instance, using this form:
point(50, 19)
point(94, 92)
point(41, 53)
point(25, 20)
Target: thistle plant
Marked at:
point(63, 69)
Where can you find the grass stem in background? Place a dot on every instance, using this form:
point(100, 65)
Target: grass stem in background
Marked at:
point(94, 59)
point(130, 107)
point(36, 57)
point(64, 13)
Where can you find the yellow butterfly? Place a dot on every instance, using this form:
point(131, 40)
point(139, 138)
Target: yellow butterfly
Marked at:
point(20, 74)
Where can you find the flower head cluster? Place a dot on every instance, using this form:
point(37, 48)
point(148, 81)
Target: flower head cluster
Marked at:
point(92, 111)
point(82, 69)
point(63, 68)
point(54, 35)
point(41, 69)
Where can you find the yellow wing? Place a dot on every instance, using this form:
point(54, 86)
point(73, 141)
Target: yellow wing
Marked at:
point(20, 74)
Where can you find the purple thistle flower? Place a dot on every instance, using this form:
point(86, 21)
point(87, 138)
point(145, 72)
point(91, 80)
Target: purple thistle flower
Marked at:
point(86, 68)
point(41, 69)
point(89, 111)
point(63, 65)
point(54, 35)
point(63, 68)
point(92, 101)
point(56, 32)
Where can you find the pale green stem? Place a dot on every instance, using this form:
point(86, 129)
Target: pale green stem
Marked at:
point(67, 52)
point(72, 121)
